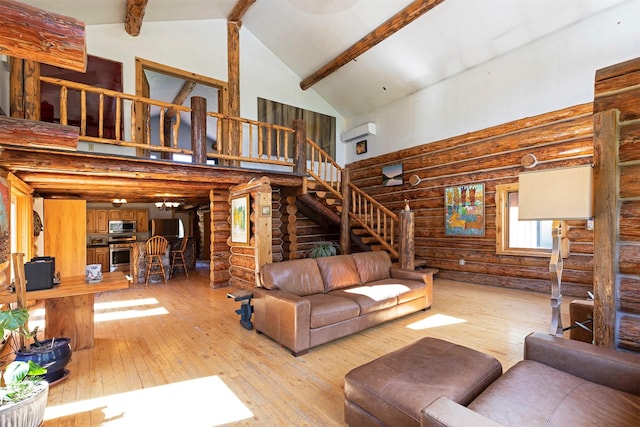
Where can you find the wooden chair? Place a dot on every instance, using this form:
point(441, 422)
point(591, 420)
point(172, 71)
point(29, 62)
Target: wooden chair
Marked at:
point(177, 257)
point(156, 248)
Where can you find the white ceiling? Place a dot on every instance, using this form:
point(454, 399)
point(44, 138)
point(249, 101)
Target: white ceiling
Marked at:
point(306, 34)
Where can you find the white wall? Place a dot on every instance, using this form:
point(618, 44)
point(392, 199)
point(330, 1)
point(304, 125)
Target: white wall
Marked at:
point(552, 73)
point(201, 47)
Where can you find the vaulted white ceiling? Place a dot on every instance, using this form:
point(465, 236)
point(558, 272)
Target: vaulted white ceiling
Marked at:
point(306, 34)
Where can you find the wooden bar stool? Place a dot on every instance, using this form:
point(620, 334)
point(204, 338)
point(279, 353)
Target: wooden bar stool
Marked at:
point(177, 257)
point(156, 248)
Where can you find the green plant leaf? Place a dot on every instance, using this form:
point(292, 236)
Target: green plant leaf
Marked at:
point(13, 320)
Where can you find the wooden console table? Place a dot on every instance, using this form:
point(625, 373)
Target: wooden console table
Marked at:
point(69, 306)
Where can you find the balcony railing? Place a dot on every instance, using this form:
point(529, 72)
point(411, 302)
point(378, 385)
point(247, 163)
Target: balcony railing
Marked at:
point(238, 141)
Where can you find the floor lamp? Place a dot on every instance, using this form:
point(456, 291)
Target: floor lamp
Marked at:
point(556, 195)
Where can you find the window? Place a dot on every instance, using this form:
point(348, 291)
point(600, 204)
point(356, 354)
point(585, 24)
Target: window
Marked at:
point(514, 237)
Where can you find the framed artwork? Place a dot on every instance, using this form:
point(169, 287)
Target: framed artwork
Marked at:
point(240, 220)
point(464, 210)
point(392, 175)
point(361, 147)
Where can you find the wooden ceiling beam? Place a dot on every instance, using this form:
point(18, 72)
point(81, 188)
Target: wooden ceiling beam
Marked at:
point(134, 15)
point(398, 21)
point(38, 35)
point(182, 95)
point(239, 10)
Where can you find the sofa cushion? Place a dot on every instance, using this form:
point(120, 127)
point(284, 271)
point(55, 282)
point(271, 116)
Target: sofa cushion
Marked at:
point(300, 277)
point(372, 266)
point(338, 272)
point(329, 309)
point(371, 298)
point(531, 393)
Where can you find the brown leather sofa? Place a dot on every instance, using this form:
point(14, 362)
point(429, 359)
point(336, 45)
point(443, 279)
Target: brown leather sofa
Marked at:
point(560, 382)
point(307, 302)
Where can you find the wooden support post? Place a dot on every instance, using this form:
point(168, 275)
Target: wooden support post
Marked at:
point(407, 251)
point(345, 222)
point(21, 285)
point(605, 138)
point(300, 145)
point(233, 73)
point(199, 129)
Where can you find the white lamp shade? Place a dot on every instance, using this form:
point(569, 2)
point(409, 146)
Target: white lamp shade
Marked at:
point(556, 194)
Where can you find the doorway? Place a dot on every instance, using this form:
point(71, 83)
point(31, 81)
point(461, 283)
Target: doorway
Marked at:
point(165, 83)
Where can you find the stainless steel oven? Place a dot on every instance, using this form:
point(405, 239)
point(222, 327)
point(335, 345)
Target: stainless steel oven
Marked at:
point(120, 252)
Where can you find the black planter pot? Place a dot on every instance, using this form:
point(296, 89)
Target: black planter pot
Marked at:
point(55, 358)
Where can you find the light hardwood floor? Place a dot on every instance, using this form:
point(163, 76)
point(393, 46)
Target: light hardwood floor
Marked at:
point(175, 354)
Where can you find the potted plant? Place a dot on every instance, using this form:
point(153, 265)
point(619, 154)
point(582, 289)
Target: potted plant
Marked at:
point(322, 249)
point(53, 354)
point(23, 393)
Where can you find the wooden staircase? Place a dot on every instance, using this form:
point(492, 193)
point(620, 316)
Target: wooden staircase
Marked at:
point(371, 225)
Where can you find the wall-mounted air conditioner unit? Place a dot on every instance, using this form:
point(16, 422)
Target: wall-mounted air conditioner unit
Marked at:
point(358, 132)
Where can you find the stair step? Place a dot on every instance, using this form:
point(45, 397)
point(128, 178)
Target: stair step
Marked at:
point(368, 240)
point(359, 231)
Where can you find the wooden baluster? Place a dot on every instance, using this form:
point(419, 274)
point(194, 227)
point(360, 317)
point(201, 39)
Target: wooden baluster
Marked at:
point(63, 106)
point(147, 124)
point(133, 122)
point(174, 130)
point(83, 112)
point(161, 127)
point(118, 118)
point(101, 115)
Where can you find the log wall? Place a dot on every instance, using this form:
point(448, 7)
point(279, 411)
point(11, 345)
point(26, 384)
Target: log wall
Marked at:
point(490, 156)
point(617, 144)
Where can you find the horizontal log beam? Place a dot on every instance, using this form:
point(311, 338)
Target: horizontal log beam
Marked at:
point(31, 33)
point(102, 178)
point(29, 133)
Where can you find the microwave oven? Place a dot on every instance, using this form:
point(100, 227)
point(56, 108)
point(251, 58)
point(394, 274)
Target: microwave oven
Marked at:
point(120, 227)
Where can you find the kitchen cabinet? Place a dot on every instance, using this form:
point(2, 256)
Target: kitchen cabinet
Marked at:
point(142, 220)
point(91, 221)
point(99, 256)
point(129, 214)
point(122, 214)
point(97, 221)
point(102, 258)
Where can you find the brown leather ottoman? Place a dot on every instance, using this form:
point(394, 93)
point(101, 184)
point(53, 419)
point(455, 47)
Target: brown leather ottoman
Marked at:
point(393, 389)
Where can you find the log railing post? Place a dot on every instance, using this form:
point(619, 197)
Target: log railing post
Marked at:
point(407, 250)
point(345, 224)
point(199, 129)
point(300, 147)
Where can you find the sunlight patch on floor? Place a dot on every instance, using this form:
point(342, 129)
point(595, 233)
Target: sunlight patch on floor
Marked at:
point(435, 321)
point(201, 402)
point(122, 304)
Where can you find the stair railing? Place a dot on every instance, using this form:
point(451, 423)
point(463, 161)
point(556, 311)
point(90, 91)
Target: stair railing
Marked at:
point(364, 210)
point(379, 221)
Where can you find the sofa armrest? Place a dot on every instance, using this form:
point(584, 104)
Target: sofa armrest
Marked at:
point(425, 275)
point(445, 412)
point(283, 316)
point(599, 365)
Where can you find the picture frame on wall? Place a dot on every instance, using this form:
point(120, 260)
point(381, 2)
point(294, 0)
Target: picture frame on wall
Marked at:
point(392, 175)
point(240, 220)
point(464, 210)
point(361, 147)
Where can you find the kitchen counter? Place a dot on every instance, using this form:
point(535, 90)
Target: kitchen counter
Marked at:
point(101, 245)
